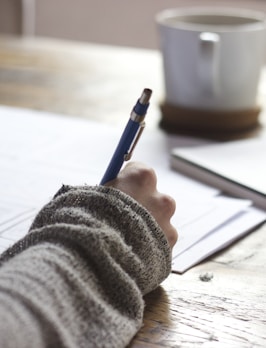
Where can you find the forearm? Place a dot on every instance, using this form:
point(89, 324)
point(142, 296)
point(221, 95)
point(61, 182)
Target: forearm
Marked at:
point(71, 307)
point(102, 252)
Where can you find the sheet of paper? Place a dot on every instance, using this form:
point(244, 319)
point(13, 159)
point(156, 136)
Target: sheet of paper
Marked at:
point(217, 213)
point(40, 151)
point(219, 239)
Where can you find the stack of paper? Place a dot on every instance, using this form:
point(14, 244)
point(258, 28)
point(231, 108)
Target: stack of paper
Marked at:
point(40, 151)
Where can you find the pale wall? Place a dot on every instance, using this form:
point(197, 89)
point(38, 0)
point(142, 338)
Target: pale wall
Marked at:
point(118, 22)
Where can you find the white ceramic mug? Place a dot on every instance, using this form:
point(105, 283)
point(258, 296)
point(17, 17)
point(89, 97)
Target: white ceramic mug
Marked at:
point(212, 56)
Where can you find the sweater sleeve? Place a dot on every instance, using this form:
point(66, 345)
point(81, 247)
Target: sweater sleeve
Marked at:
point(78, 277)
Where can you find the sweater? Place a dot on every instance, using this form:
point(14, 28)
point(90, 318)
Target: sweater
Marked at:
point(77, 279)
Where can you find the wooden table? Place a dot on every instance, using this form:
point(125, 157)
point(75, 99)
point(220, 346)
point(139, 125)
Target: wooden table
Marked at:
point(99, 82)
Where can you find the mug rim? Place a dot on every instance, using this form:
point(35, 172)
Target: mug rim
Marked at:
point(163, 18)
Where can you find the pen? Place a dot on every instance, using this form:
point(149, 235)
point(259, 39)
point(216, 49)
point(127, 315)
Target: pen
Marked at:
point(129, 138)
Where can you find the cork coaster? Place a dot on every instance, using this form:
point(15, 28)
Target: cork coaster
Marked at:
point(179, 119)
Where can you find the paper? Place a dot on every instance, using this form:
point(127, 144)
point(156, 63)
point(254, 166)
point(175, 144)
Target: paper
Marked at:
point(236, 167)
point(221, 210)
point(40, 151)
point(218, 239)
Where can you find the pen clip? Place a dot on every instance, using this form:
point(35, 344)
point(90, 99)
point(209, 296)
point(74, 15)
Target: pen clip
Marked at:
point(128, 155)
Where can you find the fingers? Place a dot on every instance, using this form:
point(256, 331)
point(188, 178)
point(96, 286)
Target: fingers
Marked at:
point(140, 182)
point(136, 177)
point(171, 234)
point(162, 207)
point(166, 205)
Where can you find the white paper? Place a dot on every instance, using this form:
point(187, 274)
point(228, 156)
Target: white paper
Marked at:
point(217, 213)
point(219, 239)
point(41, 151)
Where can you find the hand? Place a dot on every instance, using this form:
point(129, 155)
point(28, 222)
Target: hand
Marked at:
point(139, 182)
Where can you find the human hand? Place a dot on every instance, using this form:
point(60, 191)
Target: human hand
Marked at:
point(139, 182)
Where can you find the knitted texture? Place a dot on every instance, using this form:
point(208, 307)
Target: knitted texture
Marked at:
point(78, 277)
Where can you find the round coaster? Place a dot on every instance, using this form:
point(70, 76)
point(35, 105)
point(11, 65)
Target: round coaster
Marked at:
point(179, 119)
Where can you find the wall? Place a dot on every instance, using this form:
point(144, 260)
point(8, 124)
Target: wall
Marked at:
point(118, 22)
point(10, 16)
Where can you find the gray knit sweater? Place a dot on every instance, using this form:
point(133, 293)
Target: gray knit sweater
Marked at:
point(78, 277)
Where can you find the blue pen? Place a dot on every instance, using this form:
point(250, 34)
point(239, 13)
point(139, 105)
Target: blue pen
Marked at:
point(129, 137)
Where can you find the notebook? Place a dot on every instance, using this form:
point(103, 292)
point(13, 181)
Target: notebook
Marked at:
point(237, 168)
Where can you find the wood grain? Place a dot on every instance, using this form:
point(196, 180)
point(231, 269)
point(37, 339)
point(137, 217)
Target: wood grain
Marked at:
point(98, 82)
point(228, 311)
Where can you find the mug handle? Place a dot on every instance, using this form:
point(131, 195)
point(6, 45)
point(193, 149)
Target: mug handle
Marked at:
point(209, 63)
